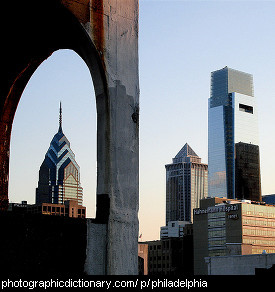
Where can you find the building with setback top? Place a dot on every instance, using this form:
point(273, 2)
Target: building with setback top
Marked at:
point(233, 143)
point(59, 174)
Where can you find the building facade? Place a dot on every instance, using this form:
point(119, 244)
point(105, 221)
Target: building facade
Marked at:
point(224, 227)
point(269, 199)
point(173, 229)
point(59, 174)
point(233, 136)
point(171, 256)
point(68, 209)
point(143, 258)
point(186, 184)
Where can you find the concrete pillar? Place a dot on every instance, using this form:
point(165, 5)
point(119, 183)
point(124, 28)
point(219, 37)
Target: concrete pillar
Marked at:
point(113, 28)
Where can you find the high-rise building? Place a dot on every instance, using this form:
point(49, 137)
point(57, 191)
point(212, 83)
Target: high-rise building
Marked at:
point(186, 184)
point(59, 176)
point(233, 143)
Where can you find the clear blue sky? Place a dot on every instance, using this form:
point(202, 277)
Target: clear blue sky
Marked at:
point(180, 44)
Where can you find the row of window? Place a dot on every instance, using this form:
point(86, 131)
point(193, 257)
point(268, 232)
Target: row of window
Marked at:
point(217, 252)
point(260, 213)
point(158, 266)
point(52, 209)
point(258, 222)
point(165, 245)
point(216, 242)
point(260, 250)
point(217, 223)
point(154, 258)
point(216, 215)
point(255, 241)
point(216, 233)
point(259, 232)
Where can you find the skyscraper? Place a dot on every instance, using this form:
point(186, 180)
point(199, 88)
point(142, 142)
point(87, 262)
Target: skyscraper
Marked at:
point(233, 143)
point(59, 176)
point(186, 184)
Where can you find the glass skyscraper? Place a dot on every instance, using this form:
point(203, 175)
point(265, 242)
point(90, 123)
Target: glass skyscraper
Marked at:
point(233, 143)
point(59, 175)
point(186, 184)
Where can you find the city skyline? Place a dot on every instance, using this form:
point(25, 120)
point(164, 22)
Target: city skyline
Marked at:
point(179, 45)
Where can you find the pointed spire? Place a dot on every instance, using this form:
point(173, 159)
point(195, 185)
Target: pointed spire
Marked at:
point(186, 154)
point(60, 118)
point(185, 151)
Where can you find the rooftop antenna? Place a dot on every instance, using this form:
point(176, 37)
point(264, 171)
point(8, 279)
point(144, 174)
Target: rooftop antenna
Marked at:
point(60, 118)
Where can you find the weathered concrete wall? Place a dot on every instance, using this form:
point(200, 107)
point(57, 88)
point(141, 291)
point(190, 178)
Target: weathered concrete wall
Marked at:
point(239, 265)
point(95, 263)
point(113, 28)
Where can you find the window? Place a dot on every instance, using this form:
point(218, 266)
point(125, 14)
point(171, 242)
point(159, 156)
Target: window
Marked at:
point(246, 108)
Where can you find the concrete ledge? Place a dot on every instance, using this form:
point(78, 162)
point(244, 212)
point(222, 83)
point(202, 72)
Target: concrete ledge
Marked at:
point(239, 264)
point(95, 263)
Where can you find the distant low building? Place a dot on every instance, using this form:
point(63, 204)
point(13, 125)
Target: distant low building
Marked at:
point(172, 255)
point(174, 229)
point(68, 209)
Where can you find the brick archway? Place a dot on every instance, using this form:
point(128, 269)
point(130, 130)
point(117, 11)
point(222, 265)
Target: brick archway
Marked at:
point(104, 33)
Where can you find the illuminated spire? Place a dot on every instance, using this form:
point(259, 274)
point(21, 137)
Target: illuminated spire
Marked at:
point(60, 118)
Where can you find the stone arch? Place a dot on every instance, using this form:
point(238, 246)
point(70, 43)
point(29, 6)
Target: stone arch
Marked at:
point(104, 34)
point(65, 32)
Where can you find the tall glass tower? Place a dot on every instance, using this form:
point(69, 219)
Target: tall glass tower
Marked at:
point(233, 143)
point(59, 175)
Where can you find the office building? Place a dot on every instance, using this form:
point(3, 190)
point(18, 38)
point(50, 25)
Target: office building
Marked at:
point(225, 227)
point(233, 143)
point(173, 229)
point(186, 184)
point(171, 256)
point(59, 175)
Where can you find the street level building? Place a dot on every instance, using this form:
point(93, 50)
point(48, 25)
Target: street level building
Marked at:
point(186, 184)
point(171, 256)
point(59, 174)
point(68, 209)
point(233, 142)
point(142, 258)
point(224, 227)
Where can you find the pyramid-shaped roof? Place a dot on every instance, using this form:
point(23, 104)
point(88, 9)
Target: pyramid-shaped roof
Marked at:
point(186, 151)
